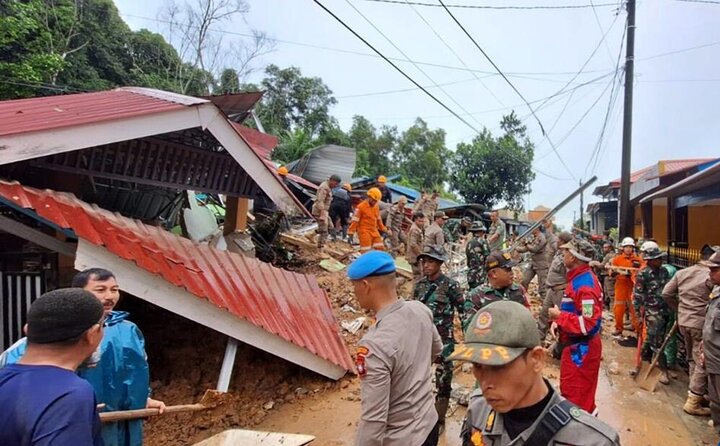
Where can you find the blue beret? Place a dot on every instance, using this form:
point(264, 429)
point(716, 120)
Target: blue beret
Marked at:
point(373, 263)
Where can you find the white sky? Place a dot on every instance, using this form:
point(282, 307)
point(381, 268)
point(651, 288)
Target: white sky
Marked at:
point(675, 115)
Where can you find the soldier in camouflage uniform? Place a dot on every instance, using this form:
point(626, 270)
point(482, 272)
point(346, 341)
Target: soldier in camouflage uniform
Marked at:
point(453, 228)
point(443, 296)
point(477, 251)
point(500, 285)
point(650, 305)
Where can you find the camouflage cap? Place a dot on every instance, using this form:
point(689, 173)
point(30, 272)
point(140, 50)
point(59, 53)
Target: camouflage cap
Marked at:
point(498, 334)
point(478, 226)
point(498, 259)
point(580, 249)
point(713, 261)
point(434, 252)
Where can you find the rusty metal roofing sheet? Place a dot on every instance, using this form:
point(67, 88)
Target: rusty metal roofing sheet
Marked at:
point(50, 112)
point(236, 104)
point(285, 303)
point(262, 143)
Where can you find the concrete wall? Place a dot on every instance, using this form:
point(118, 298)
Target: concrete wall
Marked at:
point(702, 226)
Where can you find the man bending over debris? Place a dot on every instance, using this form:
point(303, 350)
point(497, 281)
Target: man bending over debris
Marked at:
point(43, 401)
point(515, 404)
point(121, 378)
point(394, 360)
point(367, 222)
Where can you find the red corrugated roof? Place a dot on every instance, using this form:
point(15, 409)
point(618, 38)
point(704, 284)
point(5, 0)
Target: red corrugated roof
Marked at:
point(262, 143)
point(666, 167)
point(287, 304)
point(50, 112)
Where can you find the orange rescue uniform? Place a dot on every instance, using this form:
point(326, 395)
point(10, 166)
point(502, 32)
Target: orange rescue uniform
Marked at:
point(367, 223)
point(624, 285)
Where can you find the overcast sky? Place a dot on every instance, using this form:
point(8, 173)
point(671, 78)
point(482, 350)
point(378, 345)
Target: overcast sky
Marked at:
point(676, 112)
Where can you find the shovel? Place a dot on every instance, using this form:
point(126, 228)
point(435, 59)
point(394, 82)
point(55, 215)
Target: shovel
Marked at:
point(649, 375)
point(208, 401)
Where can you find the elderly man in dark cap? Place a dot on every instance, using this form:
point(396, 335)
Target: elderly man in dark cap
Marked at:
point(43, 401)
point(394, 359)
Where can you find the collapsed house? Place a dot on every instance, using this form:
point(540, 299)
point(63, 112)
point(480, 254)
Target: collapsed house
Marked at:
point(95, 179)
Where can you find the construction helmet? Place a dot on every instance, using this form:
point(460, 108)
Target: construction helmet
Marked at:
point(627, 241)
point(648, 246)
point(282, 171)
point(374, 193)
point(347, 187)
point(382, 179)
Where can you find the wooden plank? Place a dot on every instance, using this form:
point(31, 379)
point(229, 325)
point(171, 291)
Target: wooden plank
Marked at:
point(297, 241)
point(227, 365)
point(38, 237)
point(236, 211)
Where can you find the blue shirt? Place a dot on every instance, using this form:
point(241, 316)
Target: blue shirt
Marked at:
point(47, 405)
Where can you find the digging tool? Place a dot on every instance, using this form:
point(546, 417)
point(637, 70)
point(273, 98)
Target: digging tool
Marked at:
point(649, 375)
point(208, 401)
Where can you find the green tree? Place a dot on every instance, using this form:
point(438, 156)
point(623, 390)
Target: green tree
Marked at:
point(229, 81)
point(490, 170)
point(293, 145)
point(421, 156)
point(293, 101)
point(373, 149)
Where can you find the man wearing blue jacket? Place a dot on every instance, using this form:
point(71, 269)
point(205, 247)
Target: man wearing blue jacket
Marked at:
point(118, 372)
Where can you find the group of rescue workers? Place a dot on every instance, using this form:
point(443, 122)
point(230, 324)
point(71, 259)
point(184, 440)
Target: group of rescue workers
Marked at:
point(506, 345)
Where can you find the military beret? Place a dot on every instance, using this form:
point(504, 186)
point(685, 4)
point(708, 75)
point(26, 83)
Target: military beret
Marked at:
point(373, 263)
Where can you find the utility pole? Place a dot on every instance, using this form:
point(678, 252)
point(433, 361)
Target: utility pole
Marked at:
point(582, 207)
point(626, 214)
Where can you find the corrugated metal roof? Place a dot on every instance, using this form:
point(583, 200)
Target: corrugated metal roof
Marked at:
point(287, 304)
point(664, 167)
point(262, 143)
point(323, 161)
point(414, 195)
point(236, 104)
point(50, 112)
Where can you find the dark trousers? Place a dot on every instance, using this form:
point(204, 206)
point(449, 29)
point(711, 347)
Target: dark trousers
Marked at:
point(433, 437)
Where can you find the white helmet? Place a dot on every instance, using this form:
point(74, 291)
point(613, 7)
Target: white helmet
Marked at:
point(627, 241)
point(648, 246)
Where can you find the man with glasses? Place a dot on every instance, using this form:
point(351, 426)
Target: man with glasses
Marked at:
point(120, 374)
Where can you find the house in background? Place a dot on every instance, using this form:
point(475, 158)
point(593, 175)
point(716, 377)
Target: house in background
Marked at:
point(649, 220)
point(684, 215)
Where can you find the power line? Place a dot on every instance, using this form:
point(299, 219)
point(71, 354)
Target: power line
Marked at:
point(495, 7)
point(511, 85)
point(398, 69)
point(405, 90)
point(712, 2)
point(682, 50)
point(408, 58)
point(597, 20)
point(457, 56)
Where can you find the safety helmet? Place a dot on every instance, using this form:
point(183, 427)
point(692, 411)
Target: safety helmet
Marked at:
point(374, 193)
point(347, 187)
point(649, 245)
point(627, 241)
point(283, 171)
point(382, 179)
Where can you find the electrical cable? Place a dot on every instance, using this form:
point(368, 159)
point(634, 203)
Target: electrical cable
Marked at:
point(405, 90)
point(542, 128)
point(514, 8)
point(457, 56)
point(389, 40)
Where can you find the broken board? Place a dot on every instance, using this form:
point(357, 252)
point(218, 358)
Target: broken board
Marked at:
point(332, 265)
point(255, 438)
point(403, 268)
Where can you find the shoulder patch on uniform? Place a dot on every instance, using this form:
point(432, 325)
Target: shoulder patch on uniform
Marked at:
point(362, 353)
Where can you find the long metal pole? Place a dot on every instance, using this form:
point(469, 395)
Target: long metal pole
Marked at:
point(626, 213)
point(582, 208)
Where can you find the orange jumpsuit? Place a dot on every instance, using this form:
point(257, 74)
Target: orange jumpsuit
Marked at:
point(624, 285)
point(367, 223)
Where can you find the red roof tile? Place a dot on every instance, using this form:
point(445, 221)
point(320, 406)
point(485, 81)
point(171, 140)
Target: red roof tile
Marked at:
point(287, 304)
point(50, 112)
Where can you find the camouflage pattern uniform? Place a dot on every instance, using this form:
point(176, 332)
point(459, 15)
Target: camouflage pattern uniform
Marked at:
point(395, 219)
point(649, 285)
point(477, 251)
point(415, 242)
point(443, 297)
point(486, 294)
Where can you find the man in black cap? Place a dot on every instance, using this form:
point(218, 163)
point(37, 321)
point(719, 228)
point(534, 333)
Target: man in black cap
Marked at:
point(443, 296)
point(43, 401)
point(394, 359)
point(500, 285)
point(515, 404)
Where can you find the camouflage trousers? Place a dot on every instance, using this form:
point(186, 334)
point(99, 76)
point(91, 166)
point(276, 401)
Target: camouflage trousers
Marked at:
point(657, 323)
point(476, 277)
point(396, 240)
point(444, 370)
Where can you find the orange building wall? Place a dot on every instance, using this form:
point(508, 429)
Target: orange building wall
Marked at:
point(637, 226)
point(659, 221)
point(702, 226)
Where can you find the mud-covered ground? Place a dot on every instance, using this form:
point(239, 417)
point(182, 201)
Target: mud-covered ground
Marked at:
point(268, 393)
